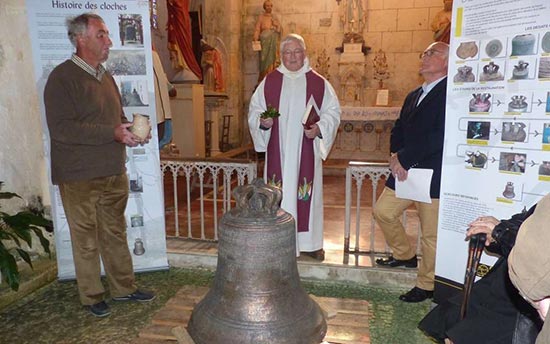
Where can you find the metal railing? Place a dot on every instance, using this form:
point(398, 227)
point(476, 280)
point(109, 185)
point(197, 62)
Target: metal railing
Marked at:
point(208, 181)
point(201, 193)
point(358, 171)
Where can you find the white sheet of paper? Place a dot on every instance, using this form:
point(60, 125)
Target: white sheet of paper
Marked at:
point(417, 185)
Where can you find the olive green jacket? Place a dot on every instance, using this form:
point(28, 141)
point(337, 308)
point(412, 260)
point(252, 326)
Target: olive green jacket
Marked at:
point(529, 261)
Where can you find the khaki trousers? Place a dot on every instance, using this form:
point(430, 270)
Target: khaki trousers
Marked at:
point(95, 213)
point(388, 211)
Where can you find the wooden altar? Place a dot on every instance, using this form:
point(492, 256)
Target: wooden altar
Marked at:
point(364, 133)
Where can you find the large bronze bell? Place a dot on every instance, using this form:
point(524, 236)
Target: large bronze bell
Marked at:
point(256, 296)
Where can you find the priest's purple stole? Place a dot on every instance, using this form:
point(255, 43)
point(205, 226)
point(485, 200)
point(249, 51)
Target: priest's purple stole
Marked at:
point(315, 87)
point(272, 91)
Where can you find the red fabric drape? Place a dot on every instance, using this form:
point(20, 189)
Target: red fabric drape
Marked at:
point(179, 33)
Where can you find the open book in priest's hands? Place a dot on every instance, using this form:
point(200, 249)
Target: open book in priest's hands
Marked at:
point(311, 114)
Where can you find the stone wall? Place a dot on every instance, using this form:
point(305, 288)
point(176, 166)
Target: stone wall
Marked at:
point(22, 165)
point(401, 28)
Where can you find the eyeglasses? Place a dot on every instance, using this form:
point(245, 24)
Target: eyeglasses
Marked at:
point(293, 52)
point(430, 53)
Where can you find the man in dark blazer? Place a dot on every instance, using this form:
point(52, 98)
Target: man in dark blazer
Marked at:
point(417, 142)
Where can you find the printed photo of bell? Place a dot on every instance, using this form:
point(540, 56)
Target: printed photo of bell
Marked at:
point(544, 169)
point(514, 132)
point(494, 48)
point(491, 72)
point(136, 220)
point(546, 133)
point(131, 30)
point(126, 62)
point(467, 50)
point(520, 103)
point(521, 69)
point(134, 93)
point(544, 68)
point(512, 162)
point(139, 247)
point(465, 73)
point(478, 130)
point(481, 102)
point(524, 44)
point(136, 183)
point(476, 159)
point(509, 191)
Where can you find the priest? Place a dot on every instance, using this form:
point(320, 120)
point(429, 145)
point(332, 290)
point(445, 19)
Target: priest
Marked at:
point(294, 147)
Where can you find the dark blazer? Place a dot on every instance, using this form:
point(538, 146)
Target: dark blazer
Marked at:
point(418, 134)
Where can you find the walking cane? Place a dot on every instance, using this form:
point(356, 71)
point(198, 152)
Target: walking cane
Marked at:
point(475, 248)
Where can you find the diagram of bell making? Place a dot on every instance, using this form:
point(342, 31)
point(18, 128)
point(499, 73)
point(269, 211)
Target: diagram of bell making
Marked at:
point(498, 116)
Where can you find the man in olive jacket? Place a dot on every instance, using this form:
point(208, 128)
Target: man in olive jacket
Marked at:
point(529, 263)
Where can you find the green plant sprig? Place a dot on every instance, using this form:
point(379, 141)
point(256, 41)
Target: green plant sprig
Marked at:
point(271, 112)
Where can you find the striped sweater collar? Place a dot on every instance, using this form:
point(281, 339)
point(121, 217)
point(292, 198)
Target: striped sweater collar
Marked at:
point(96, 73)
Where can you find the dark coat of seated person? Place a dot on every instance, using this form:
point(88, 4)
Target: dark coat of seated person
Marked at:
point(496, 313)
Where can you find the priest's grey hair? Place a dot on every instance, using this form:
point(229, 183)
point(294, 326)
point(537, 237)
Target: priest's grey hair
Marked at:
point(293, 37)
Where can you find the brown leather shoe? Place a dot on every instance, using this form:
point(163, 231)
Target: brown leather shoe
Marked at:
point(416, 295)
point(317, 255)
point(391, 262)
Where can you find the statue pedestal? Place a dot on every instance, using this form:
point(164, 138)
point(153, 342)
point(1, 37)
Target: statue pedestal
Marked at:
point(188, 120)
point(353, 48)
point(215, 103)
point(351, 72)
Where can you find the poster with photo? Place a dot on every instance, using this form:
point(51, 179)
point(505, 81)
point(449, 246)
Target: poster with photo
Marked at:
point(498, 107)
point(130, 63)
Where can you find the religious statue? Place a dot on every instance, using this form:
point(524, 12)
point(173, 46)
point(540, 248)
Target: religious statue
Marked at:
point(441, 24)
point(353, 16)
point(380, 66)
point(268, 32)
point(211, 63)
point(179, 39)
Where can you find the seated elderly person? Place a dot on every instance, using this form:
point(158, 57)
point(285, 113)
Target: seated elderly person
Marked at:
point(529, 266)
point(496, 312)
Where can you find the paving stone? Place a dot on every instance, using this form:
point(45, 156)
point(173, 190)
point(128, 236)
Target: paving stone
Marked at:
point(348, 335)
point(172, 317)
point(348, 320)
point(150, 341)
point(182, 336)
point(157, 332)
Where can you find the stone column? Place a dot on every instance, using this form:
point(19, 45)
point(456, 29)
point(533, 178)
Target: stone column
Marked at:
point(215, 104)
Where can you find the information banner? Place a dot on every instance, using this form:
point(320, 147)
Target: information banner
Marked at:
point(497, 141)
point(130, 62)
